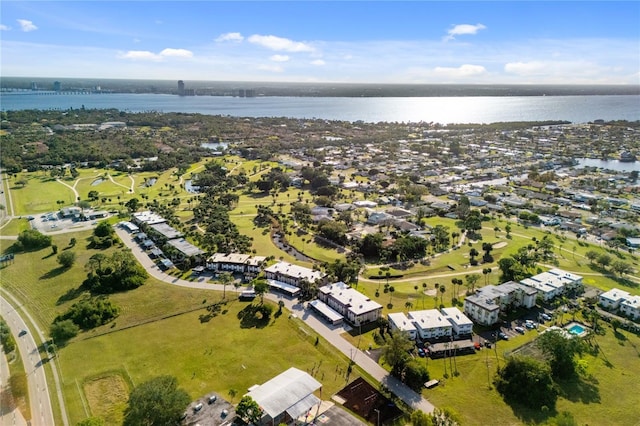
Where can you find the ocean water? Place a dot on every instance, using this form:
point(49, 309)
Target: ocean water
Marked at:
point(444, 110)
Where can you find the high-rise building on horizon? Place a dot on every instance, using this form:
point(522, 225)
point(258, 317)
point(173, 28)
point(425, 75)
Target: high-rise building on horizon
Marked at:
point(180, 88)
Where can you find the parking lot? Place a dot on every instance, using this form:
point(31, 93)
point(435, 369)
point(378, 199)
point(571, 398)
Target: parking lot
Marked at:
point(53, 222)
point(210, 410)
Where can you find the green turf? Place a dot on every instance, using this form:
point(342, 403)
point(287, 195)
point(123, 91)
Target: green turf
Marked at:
point(41, 194)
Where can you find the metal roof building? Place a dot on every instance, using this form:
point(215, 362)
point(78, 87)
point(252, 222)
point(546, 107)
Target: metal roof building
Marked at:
point(287, 396)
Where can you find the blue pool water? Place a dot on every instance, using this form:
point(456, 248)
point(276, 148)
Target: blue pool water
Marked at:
point(576, 329)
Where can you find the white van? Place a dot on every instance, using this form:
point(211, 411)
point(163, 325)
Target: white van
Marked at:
point(198, 407)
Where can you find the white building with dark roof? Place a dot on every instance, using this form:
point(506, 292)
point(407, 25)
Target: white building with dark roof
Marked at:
point(286, 397)
point(354, 306)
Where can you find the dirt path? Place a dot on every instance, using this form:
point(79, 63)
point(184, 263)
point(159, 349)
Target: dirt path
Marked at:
point(73, 188)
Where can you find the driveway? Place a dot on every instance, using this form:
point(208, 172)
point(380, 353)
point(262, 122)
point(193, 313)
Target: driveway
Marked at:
point(331, 334)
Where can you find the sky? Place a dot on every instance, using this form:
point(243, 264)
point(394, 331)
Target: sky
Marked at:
point(414, 42)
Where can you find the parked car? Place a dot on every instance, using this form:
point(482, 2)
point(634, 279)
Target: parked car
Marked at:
point(531, 325)
point(212, 399)
point(421, 353)
point(545, 316)
point(519, 330)
point(503, 336)
point(198, 407)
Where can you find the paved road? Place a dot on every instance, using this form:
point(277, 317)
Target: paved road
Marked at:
point(332, 335)
point(41, 411)
point(13, 417)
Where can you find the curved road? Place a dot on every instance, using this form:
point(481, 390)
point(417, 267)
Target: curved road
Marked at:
point(331, 334)
point(41, 411)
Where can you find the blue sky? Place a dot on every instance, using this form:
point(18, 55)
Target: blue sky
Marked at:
point(510, 42)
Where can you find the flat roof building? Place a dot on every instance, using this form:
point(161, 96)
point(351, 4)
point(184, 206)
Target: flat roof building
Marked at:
point(354, 306)
point(399, 321)
point(293, 274)
point(148, 217)
point(431, 324)
point(186, 248)
point(286, 397)
point(487, 303)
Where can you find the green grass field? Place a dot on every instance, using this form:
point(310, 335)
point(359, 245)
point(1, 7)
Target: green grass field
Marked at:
point(160, 328)
point(163, 329)
point(41, 194)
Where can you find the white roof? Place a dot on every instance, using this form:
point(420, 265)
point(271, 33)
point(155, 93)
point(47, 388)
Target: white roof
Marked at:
point(148, 217)
point(456, 317)
point(292, 289)
point(429, 319)
point(295, 271)
point(357, 302)
point(615, 294)
point(289, 392)
point(326, 310)
point(551, 280)
point(400, 320)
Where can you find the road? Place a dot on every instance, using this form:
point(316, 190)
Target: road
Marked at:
point(41, 411)
point(331, 334)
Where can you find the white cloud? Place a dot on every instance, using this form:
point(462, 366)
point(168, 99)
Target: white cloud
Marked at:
point(4, 28)
point(465, 70)
point(525, 68)
point(176, 53)
point(278, 43)
point(237, 37)
point(145, 55)
point(318, 62)
point(463, 29)
point(279, 58)
point(270, 68)
point(26, 25)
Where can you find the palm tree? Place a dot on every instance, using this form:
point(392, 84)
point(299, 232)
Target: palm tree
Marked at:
point(225, 278)
point(408, 304)
point(486, 272)
point(391, 290)
point(424, 289)
point(442, 291)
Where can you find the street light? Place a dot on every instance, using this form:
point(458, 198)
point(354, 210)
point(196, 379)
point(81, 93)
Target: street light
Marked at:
point(378, 413)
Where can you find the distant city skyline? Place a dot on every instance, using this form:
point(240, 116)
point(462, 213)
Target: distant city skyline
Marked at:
point(416, 42)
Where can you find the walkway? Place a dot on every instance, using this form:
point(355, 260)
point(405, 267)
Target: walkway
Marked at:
point(332, 335)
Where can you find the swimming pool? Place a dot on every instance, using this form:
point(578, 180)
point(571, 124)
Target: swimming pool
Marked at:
point(576, 329)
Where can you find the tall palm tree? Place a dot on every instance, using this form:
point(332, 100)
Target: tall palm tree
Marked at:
point(225, 278)
point(424, 289)
point(442, 291)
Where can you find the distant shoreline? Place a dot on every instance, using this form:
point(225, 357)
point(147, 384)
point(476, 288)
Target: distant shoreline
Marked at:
point(294, 89)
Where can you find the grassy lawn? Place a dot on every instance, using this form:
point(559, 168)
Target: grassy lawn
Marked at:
point(607, 400)
point(14, 227)
point(39, 195)
point(172, 333)
point(208, 356)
